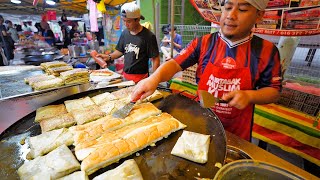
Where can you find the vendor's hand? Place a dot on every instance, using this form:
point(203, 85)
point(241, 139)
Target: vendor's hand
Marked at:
point(238, 99)
point(144, 89)
point(104, 57)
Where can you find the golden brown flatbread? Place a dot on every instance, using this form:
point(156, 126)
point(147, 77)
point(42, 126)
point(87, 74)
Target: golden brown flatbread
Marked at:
point(104, 97)
point(57, 122)
point(49, 112)
point(52, 83)
point(88, 114)
point(78, 104)
point(128, 140)
point(101, 72)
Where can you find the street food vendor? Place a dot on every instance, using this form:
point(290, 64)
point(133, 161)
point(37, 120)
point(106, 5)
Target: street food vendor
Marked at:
point(233, 64)
point(137, 44)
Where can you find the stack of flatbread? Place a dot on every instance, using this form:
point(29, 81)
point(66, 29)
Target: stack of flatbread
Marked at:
point(55, 67)
point(37, 78)
point(75, 76)
point(57, 70)
point(99, 139)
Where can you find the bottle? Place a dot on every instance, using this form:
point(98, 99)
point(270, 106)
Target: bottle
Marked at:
point(98, 60)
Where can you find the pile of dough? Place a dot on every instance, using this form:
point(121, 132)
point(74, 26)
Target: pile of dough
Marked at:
point(128, 170)
point(48, 141)
point(192, 146)
point(56, 164)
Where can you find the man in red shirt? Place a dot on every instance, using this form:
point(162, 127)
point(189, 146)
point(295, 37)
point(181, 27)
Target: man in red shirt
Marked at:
point(233, 64)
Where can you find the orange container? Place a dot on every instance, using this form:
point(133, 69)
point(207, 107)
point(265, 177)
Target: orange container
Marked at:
point(98, 60)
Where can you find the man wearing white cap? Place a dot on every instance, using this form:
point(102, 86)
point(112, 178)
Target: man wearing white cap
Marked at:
point(137, 44)
point(233, 64)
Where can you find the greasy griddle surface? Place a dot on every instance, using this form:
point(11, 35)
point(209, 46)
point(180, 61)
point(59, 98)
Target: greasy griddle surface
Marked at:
point(154, 162)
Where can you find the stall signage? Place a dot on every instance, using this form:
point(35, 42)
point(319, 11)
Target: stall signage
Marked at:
point(282, 17)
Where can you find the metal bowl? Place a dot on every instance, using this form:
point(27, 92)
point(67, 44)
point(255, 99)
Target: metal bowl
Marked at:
point(251, 169)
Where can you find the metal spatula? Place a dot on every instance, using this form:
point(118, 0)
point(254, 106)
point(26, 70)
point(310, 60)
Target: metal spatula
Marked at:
point(125, 110)
point(208, 100)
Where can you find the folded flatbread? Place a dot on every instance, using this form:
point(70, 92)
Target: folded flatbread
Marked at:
point(192, 146)
point(56, 82)
point(74, 72)
point(78, 104)
point(128, 170)
point(26, 80)
point(104, 97)
point(88, 114)
point(80, 80)
point(79, 175)
point(155, 96)
point(48, 141)
point(52, 64)
point(123, 93)
point(57, 122)
point(110, 107)
point(56, 164)
point(49, 112)
point(135, 137)
point(33, 80)
point(75, 76)
point(57, 70)
point(101, 72)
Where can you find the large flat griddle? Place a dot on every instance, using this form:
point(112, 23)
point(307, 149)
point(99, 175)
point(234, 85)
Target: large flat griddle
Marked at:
point(154, 162)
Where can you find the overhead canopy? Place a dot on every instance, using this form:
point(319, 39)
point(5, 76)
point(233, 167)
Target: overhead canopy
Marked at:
point(71, 7)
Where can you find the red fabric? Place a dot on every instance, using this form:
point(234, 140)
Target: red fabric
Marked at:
point(51, 15)
point(224, 76)
point(135, 77)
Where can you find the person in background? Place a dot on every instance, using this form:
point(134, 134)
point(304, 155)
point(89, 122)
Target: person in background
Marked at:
point(6, 43)
point(233, 64)
point(47, 33)
point(166, 43)
point(137, 44)
point(66, 36)
point(13, 32)
point(74, 31)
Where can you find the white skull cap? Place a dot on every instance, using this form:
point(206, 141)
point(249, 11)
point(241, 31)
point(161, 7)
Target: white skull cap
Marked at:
point(131, 10)
point(259, 4)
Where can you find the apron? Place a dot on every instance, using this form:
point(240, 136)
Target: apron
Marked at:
point(135, 77)
point(225, 78)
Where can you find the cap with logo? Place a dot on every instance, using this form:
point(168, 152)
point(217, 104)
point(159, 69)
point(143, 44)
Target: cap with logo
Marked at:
point(131, 10)
point(260, 5)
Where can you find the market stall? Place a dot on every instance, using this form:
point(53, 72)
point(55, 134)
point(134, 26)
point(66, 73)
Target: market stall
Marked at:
point(21, 110)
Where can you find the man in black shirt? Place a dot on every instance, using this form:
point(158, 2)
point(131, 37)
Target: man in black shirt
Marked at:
point(137, 44)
